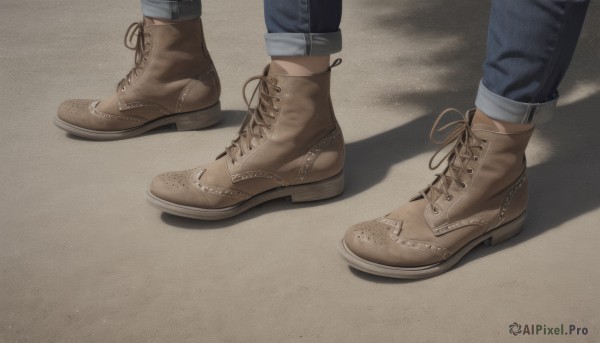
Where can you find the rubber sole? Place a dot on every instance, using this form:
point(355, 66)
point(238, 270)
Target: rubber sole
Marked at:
point(325, 189)
point(496, 236)
point(183, 121)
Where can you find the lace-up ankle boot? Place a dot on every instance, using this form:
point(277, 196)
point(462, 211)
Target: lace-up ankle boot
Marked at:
point(480, 196)
point(290, 145)
point(173, 82)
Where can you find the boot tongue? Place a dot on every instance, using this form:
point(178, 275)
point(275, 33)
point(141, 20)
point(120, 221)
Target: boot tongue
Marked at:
point(473, 118)
point(251, 131)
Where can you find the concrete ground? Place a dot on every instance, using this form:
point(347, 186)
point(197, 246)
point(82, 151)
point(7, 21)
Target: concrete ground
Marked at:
point(83, 258)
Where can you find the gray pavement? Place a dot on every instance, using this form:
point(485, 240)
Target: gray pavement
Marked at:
point(83, 258)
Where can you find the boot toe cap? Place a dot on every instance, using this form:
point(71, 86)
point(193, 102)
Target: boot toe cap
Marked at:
point(372, 241)
point(179, 188)
point(173, 187)
point(79, 115)
point(75, 112)
point(368, 240)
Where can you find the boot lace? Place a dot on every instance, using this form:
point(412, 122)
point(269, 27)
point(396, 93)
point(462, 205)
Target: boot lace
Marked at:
point(466, 146)
point(135, 39)
point(258, 119)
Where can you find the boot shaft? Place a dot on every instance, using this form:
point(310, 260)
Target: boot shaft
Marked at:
point(174, 72)
point(180, 42)
point(303, 139)
point(492, 184)
point(304, 108)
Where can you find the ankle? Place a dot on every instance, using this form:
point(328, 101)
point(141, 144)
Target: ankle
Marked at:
point(159, 21)
point(302, 65)
point(502, 126)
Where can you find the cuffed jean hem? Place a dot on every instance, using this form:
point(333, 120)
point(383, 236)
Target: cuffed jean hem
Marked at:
point(303, 44)
point(501, 108)
point(172, 10)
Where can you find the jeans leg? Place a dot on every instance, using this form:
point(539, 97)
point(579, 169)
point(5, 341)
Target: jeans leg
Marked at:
point(530, 46)
point(172, 9)
point(303, 27)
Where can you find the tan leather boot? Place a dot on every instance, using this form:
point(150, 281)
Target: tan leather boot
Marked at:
point(481, 196)
point(289, 145)
point(173, 82)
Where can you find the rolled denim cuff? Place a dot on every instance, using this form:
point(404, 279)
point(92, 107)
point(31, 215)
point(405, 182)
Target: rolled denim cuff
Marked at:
point(501, 108)
point(303, 44)
point(172, 9)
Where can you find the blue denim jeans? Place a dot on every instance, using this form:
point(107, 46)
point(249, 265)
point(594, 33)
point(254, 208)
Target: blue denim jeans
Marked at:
point(303, 27)
point(294, 27)
point(530, 45)
point(172, 9)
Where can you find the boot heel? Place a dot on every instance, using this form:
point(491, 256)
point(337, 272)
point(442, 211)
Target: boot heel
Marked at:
point(199, 119)
point(507, 231)
point(319, 190)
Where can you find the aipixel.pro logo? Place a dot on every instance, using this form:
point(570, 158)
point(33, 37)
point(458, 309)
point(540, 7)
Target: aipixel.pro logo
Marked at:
point(516, 329)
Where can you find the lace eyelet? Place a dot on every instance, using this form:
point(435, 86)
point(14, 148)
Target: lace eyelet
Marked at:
point(435, 210)
point(484, 140)
point(463, 185)
point(469, 171)
point(449, 198)
point(278, 89)
point(475, 158)
point(123, 88)
point(480, 147)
